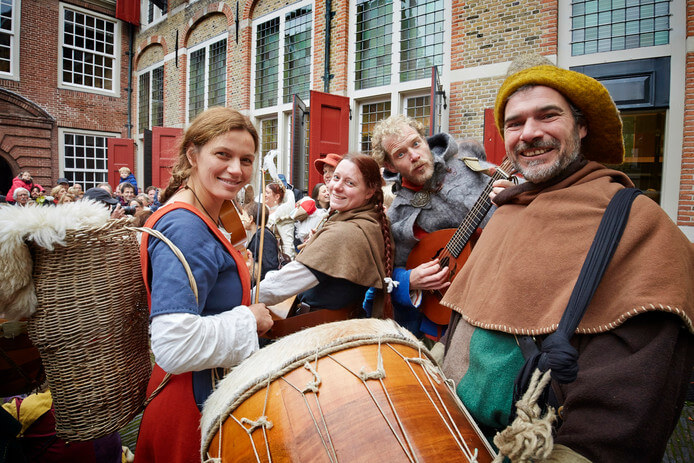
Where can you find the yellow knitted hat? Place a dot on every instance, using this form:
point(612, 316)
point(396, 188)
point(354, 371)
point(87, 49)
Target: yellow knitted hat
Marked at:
point(604, 142)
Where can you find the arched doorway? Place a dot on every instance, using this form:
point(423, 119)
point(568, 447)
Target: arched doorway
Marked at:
point(6, 175)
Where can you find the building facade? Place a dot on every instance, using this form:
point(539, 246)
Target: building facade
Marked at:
point(261, 56)
point(63, 89)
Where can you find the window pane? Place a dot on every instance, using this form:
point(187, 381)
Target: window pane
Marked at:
point(196, 83)
point(267, 63)
point(88, 51)
point(85, 159)
point(370, 115)
point(374, 43)
point(143, 106)
point(419, 108)
point(158, 97)
point(217, 74)
point(297, 54)
point(622, 24)
point(420, 32)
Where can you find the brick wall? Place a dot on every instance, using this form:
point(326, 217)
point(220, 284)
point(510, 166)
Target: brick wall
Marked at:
point(685, 210)
point(38, 83)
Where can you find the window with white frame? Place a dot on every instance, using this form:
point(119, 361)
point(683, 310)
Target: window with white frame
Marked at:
point(152, 11)
point(411, 31)
point(9, 29)
point(283, 48)
point(151, 99)
point(610, 25)
point(89, 51)
point(371, 113)
point(85, 158)
point(207, 76)
point(395, 45)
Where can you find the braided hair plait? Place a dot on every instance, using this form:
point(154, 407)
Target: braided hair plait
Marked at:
point(388, 250)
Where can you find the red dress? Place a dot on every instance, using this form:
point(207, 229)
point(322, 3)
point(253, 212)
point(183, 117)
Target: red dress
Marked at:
point(170, 428)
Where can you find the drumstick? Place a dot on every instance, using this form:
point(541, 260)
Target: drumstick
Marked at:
point(261, 212)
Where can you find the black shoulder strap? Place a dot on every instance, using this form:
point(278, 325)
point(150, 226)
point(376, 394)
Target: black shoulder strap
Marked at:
point(557, 353)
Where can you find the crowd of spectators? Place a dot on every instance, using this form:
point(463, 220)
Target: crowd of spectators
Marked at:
point(124, 200)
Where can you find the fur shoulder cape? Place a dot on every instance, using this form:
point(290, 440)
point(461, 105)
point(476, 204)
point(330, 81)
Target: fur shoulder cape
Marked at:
point(45, 226)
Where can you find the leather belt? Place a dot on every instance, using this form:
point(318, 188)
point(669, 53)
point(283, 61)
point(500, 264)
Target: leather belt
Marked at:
point(304, 319)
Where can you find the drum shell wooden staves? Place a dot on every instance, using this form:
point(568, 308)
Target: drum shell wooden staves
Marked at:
point(357, 428)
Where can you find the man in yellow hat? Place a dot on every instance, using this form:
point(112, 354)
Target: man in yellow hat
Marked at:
point(631, 355)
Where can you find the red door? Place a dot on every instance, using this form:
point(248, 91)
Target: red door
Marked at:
point(164, 152)
point(493, 143)
point(329, 130)
point(121, 153)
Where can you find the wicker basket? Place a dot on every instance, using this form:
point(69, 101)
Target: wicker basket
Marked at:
point(91, 328)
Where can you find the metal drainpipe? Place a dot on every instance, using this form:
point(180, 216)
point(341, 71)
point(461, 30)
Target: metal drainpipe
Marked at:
point(131, 30)
point(328, 18)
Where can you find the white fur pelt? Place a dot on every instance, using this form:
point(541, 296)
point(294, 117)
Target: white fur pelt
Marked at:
point(46, 226)
point(254, 372)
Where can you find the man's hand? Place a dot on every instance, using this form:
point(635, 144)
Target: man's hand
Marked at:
point(498, 186)
point(117, 213)
point(262, 316)
point(429, 276)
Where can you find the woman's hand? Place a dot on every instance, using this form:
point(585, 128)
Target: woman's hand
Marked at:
point(262, 317)
point(429, 276)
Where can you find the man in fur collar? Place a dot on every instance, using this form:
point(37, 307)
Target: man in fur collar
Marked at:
point(631, 356)
point(434, 189)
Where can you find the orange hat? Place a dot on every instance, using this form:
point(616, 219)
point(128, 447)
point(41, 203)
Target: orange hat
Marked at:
point(330, 159)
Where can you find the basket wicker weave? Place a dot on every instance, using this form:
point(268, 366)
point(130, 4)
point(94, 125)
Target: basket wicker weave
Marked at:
point(91, 328)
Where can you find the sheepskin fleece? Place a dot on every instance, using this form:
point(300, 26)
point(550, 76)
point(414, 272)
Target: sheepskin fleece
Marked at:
point(267, 362)
point(45, 226)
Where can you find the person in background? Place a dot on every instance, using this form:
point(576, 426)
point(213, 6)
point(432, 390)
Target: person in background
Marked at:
point(127, 176)
point(101, 195)
point(57, 192)
point(350, 253)
point(309, 213)
point(280, 220)
point(76, 191)
point(153, 194)
point(62, 181)
point(106, 186)
point(127, 193)
point(194, 339)
point(21, 196)
point(321, 196)
point(270, 246)
point(618, 381)
point(23, 180)
point(67, 198)
point(326, 166)
point(434, 189)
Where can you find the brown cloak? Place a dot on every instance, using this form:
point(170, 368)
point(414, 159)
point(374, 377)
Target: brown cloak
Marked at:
point(350, 246)
point(520, 274)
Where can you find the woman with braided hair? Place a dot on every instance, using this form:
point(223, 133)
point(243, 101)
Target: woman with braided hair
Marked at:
point(350, 253)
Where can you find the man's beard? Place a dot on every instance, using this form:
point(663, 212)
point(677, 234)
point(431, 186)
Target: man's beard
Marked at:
point(535, 171)
point(423, 177)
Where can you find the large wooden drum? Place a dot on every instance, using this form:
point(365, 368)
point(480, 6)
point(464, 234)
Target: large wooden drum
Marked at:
point(358, 390)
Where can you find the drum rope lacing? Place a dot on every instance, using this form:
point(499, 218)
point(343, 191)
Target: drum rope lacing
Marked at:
point(430, 371)
point(312, 386)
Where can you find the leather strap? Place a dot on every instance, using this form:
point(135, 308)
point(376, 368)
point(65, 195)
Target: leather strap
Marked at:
point(296, 323)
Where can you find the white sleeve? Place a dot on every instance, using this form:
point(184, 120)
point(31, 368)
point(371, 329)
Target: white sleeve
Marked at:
point(289, 281)
point(184, 342)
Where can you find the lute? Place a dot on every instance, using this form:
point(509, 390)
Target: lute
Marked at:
point(456, 249)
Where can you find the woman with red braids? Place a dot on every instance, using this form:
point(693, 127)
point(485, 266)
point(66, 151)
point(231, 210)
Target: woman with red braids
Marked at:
point(350, 253)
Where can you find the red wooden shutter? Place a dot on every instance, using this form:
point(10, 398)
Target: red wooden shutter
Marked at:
point(329, 130)
point(121, 153)
point(493, 143)
point(164, 152)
